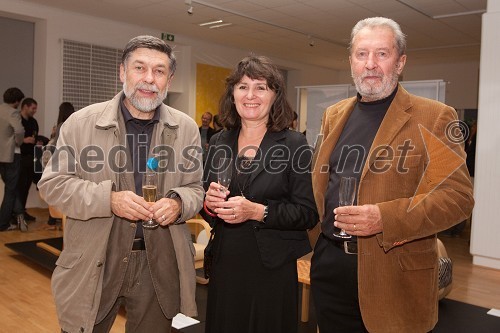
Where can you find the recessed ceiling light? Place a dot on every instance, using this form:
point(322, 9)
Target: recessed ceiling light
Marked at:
point(219, 25)
point(210, 23)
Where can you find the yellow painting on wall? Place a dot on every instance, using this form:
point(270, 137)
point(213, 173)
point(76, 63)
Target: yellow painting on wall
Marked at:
point(210, 85)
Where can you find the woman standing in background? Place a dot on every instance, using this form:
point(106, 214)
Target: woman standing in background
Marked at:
point(65, 110)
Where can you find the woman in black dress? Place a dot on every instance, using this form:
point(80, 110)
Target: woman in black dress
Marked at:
point(261, 220)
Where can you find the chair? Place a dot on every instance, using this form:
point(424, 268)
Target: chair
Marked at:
point(57, 214)
point(445, 271)
point(200, 229)
point(303, 269)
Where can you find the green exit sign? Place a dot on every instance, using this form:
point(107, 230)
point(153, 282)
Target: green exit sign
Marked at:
point(167, 37)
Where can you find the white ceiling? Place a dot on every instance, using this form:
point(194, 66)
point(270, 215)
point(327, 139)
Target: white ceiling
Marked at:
point(280, 28)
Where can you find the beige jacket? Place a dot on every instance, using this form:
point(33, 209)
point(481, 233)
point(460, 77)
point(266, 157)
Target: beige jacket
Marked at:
point(82, 190)
point(11, 132)
point(419, 195)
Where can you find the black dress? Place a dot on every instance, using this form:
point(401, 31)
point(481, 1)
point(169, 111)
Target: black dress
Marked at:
point(244, 296)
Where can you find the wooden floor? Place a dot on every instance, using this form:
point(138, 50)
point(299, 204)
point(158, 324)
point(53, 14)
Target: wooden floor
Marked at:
point(26, 303)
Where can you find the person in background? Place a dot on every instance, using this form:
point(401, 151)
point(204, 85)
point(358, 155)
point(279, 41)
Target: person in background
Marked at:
point(27, 168)
point(66, 109)
point(206, 132)
point(470, 150)
point(217, 124)
point(261, 220)
point(109, 259)
point(294, 125)
point(413, 183)
point(11, 138)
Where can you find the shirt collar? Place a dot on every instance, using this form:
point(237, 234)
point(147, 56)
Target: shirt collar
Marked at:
point(127, 116)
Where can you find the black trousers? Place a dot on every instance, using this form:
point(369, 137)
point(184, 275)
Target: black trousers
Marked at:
point(334, 288)
point(9, 172)
point(26, 173)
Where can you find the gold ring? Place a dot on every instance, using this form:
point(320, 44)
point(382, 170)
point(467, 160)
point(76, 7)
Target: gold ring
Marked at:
point(354, 226)
point(234, 216)
point(163, 218)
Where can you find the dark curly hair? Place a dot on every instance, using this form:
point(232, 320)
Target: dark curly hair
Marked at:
point(257, 68)
point(13, 95)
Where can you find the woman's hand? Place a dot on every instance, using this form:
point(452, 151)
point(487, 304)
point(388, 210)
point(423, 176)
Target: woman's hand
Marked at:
point(239, 209)
point(236, 209)
point(214, 195)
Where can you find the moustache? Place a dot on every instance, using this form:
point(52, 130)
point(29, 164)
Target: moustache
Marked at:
point(149, 87)
point(371, 74)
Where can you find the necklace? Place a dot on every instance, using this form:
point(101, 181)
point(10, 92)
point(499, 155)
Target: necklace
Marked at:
point(244, 169)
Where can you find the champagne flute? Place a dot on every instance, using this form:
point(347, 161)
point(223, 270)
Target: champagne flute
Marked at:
point(149, 193)
point(347, 193)
point(224, 173)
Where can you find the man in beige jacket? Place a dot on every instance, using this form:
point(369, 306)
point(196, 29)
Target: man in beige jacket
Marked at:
point(11, 138)
point(94, 177)
point(413, 183)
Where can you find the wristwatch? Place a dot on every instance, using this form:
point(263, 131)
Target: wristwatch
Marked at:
point(266, 211)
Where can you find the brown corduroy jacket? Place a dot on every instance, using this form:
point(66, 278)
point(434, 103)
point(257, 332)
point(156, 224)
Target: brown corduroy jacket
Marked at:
point(420, 190)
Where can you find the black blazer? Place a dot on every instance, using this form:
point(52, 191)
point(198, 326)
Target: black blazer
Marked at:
point(281, 180)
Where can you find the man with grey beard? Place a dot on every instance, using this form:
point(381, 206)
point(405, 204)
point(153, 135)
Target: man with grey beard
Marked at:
point(381, 275)
point(95, 178)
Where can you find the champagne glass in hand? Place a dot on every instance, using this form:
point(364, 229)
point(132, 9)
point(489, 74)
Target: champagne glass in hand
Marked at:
point(224, 173)
point(347, 194)
point(149, 193)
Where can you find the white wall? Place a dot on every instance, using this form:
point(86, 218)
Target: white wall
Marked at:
point(19, 56)
point(485, 246)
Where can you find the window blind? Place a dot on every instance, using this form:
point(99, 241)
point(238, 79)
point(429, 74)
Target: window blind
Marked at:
point(91, 73)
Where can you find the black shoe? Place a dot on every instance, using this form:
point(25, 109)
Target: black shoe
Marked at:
point(29, 217)
point(10, 227)
point(21, 223)
point(52, 221)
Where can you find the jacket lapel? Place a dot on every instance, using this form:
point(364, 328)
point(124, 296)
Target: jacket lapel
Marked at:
point(227, 144)
point(394, 120)
point(324, 148)
point(111, 119)
point(263, 158)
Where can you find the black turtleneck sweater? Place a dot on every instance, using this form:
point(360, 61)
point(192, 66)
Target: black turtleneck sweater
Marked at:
point(351, 151)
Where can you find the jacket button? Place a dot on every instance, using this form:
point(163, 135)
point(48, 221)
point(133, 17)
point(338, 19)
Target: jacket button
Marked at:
point(125, 259)
point(99, 263)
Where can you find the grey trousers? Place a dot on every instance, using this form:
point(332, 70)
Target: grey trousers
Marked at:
point(138, 297)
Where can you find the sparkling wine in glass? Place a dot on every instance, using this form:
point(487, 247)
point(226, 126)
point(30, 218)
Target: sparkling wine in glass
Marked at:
point(149, 193)
point(224, 173)
point(347, 193)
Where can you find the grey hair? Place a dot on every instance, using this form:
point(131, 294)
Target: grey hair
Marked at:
point(153, 43)
point(374, 22)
